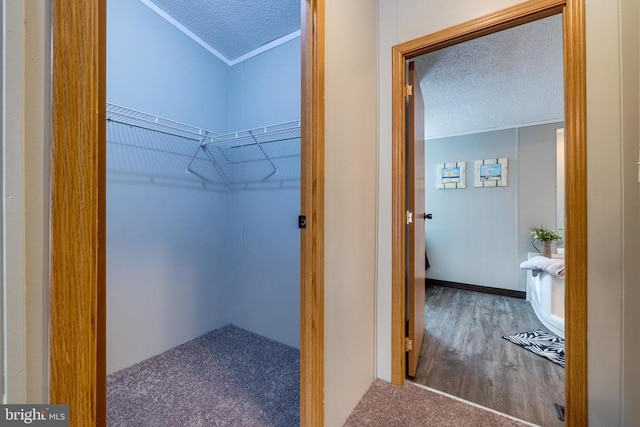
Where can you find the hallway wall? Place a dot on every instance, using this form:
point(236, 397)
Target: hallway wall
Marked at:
point(630, 26)
point(350, 194)
point(24, 182)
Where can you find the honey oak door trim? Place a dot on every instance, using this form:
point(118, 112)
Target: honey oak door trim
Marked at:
point(77, 347)
point(312, 205)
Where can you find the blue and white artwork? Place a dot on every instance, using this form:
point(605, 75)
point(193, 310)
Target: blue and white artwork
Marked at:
point(491, 172)
point(450, 175)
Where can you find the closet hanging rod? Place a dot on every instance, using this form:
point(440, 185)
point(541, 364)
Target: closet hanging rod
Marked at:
point(129, 116)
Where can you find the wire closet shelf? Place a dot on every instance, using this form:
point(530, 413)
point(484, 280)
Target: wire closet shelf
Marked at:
point(236, 159)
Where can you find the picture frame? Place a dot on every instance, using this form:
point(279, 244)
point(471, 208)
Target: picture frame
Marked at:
point(451, 175)
point(491, 172)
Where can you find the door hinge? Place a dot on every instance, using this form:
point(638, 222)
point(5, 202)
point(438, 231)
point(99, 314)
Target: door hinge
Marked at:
point(409, 217)
point(408, 90)
point(408, 344)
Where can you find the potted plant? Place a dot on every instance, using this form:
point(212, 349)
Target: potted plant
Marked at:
point(546, 236)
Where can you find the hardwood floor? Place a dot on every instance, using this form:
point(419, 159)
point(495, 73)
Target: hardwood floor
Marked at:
point(464, 354)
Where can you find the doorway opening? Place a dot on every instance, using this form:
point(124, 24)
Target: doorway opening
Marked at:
point(203, 195)
point(497, 100)
point(575, 233)
point(78, 298)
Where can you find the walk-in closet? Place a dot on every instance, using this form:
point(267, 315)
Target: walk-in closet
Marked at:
point(203, 198)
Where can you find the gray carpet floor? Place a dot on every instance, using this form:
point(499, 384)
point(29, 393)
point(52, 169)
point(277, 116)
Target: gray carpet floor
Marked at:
point(386, 405)
point(227, 377)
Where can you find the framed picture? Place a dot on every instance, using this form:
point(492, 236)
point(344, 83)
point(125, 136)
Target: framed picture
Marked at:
point(450, 175)
point(491, 172)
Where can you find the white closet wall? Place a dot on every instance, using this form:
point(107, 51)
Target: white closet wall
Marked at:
point(264, 296)
point(184, 258)
point(154, 67)
point(265, 89)
point(166, 269)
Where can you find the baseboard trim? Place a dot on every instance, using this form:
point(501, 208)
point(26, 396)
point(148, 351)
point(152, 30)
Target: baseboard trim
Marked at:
point(477, 288)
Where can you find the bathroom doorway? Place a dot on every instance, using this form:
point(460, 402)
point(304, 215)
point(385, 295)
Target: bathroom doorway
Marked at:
point(576, 230)
point(473, 94)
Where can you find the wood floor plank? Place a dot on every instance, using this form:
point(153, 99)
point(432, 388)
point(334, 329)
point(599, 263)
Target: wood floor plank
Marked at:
point(464, 354)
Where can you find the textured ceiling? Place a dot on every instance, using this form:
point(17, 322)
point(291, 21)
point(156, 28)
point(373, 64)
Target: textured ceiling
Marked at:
point(506, 79)
point(235, 27)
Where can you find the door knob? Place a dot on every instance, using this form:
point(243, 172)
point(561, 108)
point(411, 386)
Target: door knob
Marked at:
point(427, 216)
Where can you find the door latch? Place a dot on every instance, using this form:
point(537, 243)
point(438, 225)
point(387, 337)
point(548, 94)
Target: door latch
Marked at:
point(302, 221)
point(409, 217)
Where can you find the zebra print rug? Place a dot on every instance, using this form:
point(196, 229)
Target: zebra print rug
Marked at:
point(541, 343)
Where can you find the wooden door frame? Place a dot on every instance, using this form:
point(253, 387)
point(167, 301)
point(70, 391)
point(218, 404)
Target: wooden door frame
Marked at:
point(77, 315)
point(312, 205)
point(575, 186)
point(77, 328)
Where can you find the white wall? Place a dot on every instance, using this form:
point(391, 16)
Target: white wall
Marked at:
point(479, 236)
point(167, 268)
point(25, 168)
point(604, 205)
point(472, 237)
point(350, 183)
point(537, 186)
point(407, 19)
point(37, 137)
point(155, 68)
point(265, 89)
point(264, 290)
point(630, 14)
point(13, 194)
